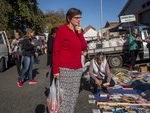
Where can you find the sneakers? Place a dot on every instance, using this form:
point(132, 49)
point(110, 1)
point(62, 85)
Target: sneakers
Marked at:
point(32, 81)
point(20, 83)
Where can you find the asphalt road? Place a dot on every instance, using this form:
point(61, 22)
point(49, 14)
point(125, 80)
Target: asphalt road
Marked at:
point(32, 98)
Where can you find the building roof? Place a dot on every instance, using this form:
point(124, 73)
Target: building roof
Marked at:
point(111, 24)
point(124, 8)
point(88, 27)
point(90, 33)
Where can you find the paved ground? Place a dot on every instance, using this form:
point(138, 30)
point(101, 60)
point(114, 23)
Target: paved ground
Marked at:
point(32, 98)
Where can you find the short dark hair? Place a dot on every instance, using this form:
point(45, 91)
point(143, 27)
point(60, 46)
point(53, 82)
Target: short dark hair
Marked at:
point(53, 30)
point(133, 28)
point(71, 13)
point(100, 54)
point(19, 33)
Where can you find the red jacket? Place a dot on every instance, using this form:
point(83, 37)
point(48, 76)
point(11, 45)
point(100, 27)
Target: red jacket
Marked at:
point(67, 49)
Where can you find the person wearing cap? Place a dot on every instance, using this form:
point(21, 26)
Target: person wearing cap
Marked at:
point(100, 75)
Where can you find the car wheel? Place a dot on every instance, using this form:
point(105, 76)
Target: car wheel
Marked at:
point(115, 61)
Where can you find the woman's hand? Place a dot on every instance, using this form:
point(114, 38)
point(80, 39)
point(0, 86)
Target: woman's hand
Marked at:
point(32, 43)
point(78, 28)
point(138, 39)
point(56, 75)
point(36, 54)
point(98, 82)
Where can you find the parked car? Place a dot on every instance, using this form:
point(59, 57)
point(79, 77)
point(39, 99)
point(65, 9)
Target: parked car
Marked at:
point(5, 51)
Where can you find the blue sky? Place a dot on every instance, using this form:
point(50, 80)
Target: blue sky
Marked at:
point(90, 9)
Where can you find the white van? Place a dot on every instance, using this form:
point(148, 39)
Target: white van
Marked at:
point(5, 51)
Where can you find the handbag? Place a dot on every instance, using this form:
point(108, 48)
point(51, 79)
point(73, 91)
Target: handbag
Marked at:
point(55, 98)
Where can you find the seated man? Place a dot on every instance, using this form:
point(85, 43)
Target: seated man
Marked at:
point(100, 74)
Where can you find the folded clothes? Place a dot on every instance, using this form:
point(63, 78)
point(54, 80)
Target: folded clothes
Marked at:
point(121, 91)
point(140, 86)
point(146, 95)
point(126, 86)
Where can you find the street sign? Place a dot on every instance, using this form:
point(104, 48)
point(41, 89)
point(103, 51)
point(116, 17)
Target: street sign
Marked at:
point(127, 18)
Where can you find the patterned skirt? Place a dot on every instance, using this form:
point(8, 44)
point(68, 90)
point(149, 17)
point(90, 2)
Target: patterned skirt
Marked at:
point(69, 83)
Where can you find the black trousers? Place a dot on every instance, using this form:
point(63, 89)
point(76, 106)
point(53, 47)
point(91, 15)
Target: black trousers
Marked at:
point(133, 54)
point(18, 64)
point(92, 82)
point(51, 75)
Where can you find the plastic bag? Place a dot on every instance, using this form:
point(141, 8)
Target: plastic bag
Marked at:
point(55, 98)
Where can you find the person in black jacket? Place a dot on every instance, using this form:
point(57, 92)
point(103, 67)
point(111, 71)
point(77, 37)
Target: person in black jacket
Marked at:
point(27, 59)
point(50, 42)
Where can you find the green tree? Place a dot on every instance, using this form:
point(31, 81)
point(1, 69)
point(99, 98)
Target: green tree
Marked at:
point(26, 14)
point(5, 9)
point(54, 18)
point(21, 15)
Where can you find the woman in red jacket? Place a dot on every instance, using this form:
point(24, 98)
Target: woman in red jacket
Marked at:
point(68, 46)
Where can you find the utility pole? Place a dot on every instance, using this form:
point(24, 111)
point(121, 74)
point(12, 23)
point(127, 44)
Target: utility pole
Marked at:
point(101, 17)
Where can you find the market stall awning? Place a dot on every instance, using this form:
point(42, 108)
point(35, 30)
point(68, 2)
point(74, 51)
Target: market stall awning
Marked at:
point(125, 26)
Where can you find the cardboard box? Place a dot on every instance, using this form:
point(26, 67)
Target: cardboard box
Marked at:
point(148, 67)
point(143, 69)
